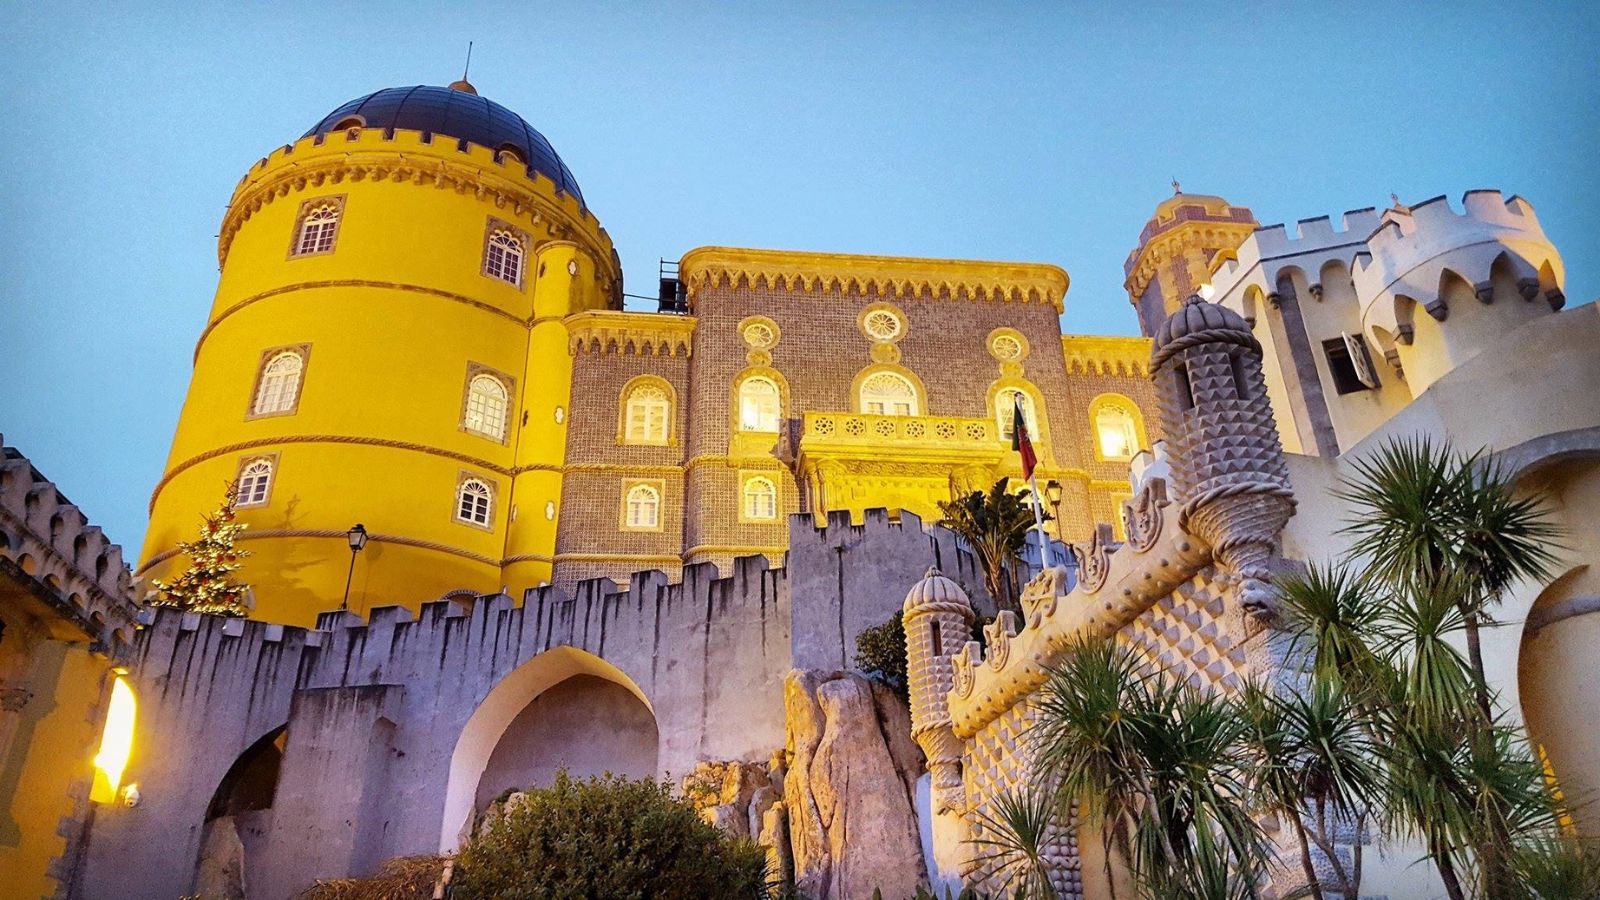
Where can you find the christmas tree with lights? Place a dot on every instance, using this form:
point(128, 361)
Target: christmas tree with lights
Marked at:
point(207, 586)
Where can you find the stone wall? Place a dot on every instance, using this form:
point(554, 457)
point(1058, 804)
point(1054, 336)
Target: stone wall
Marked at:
point(395, 718)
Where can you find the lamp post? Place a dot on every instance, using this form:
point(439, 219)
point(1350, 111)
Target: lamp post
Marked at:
point(1052, 490)
point(358, 539)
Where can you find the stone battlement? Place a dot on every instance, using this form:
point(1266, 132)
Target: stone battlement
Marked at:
point(71, 562)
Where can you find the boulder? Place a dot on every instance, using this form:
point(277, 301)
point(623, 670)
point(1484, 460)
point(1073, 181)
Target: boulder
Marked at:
point(849, 789)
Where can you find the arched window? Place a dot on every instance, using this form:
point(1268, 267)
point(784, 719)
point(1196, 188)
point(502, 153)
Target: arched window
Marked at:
point(760, 499)
point(255, 483)
point(642, 507)
point(503, 257)
point(278, 390)
point(647, 411)
point(759, 404)
point(486, 407)
point(474, 502)
point(888, 394)
point(1116, 430)
point(318, 226)
point(1005, 407)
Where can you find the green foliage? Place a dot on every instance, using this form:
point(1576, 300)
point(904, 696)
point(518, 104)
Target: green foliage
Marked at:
point(881, 653)
point(1557, 868)
point(609, 837)
point(1016, 835)
point(1157, 765)
point(207, 586)
point(995, 525)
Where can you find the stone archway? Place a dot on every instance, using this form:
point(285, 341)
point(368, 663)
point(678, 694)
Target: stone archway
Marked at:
point(238, 819)
point(1556, 674)
point(562, 707)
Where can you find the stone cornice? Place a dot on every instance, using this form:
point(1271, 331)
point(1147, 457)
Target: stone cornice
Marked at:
point(1096, 355)
point(402, 156)
point(885, 276)
point(625, 332)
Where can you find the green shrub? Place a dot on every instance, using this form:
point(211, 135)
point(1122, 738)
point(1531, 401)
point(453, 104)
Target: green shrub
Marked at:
point(607, 837)
point(881, 653)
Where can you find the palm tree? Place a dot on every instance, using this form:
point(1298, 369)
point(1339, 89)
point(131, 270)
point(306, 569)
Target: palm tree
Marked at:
point(995, 525)
point(1447, 531)
point(1017, 833)
point(1156, 764)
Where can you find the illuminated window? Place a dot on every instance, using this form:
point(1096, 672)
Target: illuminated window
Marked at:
point(645, 419)
point(760, 499)
point(278, 388)
point(255, 483)
point(760, 334)
point(503, 257)
point(1005, 405)
point(116, 743)
point(642, 507)
point(474, 501)
point(1116, 431)
point(759, 403)
point(486, 407)
point(319, 225)
point(888, 394)
point(1006, 347)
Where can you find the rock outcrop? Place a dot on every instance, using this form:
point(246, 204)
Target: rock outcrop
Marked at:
point(850, 788)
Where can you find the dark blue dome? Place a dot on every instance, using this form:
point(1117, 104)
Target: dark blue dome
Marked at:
point(456, 111)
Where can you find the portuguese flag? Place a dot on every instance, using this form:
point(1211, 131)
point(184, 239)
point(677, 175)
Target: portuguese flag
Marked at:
point(1019, 438)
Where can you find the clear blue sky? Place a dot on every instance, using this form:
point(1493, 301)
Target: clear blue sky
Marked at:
point(1032, 131)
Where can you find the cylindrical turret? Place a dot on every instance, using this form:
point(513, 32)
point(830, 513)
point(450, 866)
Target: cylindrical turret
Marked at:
point(938, 623)
point(1228, 468)
point(386, 347)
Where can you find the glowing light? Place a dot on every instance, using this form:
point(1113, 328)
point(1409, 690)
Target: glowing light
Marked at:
point(1206, 291)
point(116, 743)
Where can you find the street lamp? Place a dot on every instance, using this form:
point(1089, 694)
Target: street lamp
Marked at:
point(1052, 490)
point(358, 539)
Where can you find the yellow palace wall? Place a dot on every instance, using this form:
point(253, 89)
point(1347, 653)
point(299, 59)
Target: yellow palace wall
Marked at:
point(392, 317)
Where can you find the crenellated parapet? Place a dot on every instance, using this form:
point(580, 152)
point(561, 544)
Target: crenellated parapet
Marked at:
point(68, 562)
point(1418, 252)
point(641, 334)
point(1115, 585)
point(1089, 354)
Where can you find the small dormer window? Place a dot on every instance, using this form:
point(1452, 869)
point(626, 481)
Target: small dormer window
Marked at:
point(1350, 364)
point(511, 154)
point(349, 122)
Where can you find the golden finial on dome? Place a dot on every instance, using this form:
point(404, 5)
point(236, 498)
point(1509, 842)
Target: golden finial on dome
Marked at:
point(463, 85)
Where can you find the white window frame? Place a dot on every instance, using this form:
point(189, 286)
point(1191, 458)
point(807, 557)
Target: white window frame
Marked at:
point(1005, 412)
point(488, 406)
point(876, 402)
point(504, 256)
point(641, 506)
point(647, 415)
point(255, 482)
point(759, 499)
point(758, 410)
point(278, 392)
point(475, 502)
point(318, 228)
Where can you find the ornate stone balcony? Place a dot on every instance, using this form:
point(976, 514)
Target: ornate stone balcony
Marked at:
point(901, 462)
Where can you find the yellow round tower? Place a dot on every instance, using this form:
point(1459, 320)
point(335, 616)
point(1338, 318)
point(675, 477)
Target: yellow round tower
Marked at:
point(387, 347)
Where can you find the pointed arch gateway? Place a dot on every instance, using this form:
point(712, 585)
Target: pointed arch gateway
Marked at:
point(502, 740)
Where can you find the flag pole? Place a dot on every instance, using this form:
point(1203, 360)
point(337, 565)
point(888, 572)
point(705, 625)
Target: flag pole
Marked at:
point(1038, 524)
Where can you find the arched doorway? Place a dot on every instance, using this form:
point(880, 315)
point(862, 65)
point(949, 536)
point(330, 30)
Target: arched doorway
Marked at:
point(239, 818)
point(1556, 675)
point(563, 707)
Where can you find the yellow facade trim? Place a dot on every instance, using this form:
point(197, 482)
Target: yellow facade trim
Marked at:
point(403, 156)
point(735, 550)
point(226, 449)
point(896, 276)
point(354, 282)
point(342, 536)
point(630, 332)
point(617, 557)
point(622, 469)
point(1095, 355)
